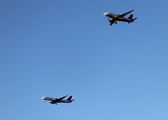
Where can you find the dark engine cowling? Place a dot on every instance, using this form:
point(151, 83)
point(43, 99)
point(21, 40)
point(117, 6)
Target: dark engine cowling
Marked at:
point(52, 102)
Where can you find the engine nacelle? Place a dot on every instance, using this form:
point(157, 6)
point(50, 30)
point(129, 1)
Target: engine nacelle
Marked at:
point(52, 102)
point(109, 20)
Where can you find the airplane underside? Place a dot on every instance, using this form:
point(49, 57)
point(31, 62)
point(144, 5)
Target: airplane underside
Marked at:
point(112, 21)
point(52, 102)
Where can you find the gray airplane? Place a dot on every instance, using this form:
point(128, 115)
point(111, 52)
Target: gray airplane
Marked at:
point(119, 17)
point(58, 100)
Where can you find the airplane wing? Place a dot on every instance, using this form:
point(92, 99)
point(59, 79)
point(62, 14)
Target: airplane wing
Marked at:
point(126, 13)
point(59, 99)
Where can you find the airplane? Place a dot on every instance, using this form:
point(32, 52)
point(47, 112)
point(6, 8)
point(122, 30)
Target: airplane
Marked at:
point(58, 100)
point(119, 17)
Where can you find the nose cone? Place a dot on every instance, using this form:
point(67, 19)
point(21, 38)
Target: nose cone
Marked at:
point(43, 98)
point(106, 13)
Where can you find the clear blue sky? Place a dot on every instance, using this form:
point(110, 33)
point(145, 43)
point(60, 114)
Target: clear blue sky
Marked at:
point(60, 47)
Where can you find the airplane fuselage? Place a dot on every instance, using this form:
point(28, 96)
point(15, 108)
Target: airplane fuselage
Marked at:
point(47, 98)
point(119, 17)
point(65, 101)
point(115, 17)
point(56, 100)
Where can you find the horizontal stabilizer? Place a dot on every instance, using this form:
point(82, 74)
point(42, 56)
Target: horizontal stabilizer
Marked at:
point(134, 19)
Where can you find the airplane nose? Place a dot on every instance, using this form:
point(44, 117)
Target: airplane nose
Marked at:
point(105, 14)
point(42, 98)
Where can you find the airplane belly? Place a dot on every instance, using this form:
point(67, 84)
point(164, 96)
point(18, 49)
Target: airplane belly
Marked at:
point(124, 20)
point(64, 101)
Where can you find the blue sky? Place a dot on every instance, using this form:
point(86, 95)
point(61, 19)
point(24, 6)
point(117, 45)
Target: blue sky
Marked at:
point(55, 48)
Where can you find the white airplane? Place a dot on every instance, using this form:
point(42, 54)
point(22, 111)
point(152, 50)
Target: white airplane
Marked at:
point(58, 100)
point(119, 17)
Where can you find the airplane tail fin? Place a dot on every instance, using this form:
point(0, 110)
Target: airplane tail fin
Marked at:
point(70, 99)
point(130, 17)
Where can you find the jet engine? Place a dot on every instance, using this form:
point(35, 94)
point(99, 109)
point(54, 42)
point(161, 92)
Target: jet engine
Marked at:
point(52, 102)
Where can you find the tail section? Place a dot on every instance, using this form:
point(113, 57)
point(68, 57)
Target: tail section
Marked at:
point(134, 19)
point(70, 99)
point(130, 17)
